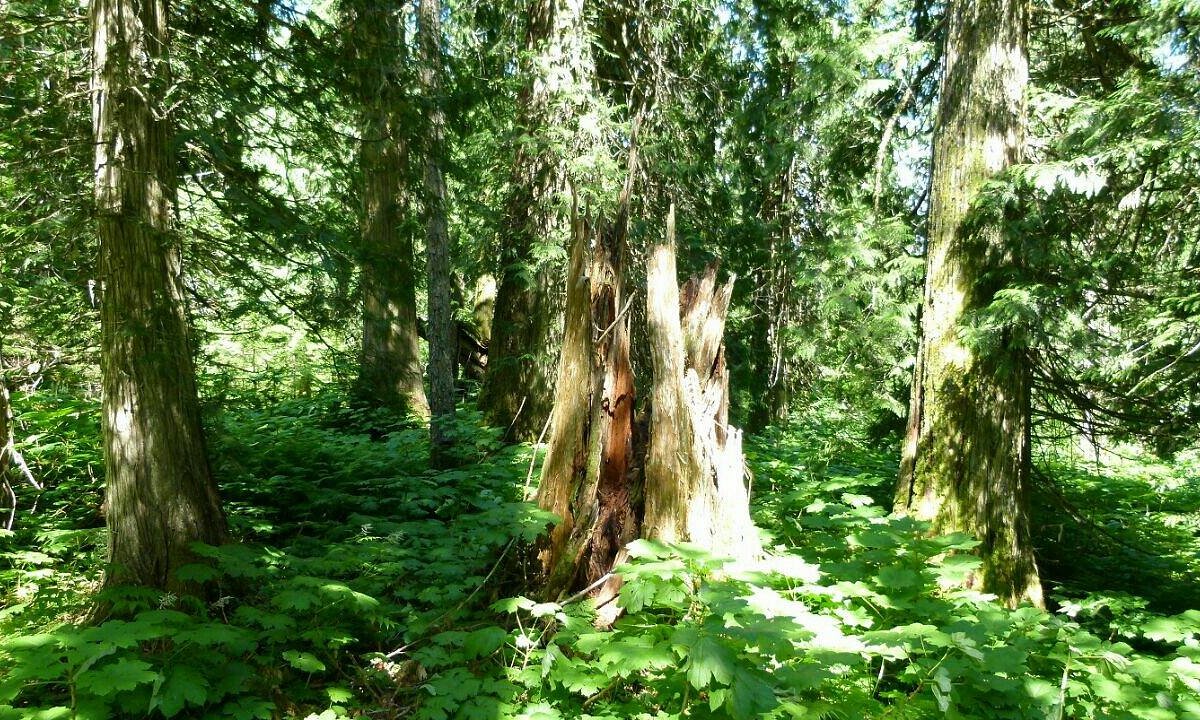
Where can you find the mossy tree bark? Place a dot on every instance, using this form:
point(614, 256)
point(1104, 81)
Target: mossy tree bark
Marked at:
point(966, 455)
point(390, 371)
point(161, 496)
point(518, 389)
point(442, 330)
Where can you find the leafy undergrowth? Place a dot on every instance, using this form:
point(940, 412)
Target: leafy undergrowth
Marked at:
point(1137, 523)
point(368, 585)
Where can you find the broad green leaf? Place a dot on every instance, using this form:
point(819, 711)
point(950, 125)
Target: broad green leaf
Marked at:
point(708, 661)
point(484, 642)
point(124, 674)
point(306, 662)
point(184, 685)
point(750, 695)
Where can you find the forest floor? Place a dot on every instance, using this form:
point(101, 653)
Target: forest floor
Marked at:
point(366, 585)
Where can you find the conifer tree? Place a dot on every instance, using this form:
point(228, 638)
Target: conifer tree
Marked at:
point(390, 370)
point(966, 454)
point(527, 326)
point(161, 496)
point(437, 236)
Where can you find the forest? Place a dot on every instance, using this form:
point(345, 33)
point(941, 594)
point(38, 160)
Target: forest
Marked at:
point(600, 359)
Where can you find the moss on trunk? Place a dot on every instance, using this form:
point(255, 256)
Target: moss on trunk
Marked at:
point(966, 454)
point(161, 496)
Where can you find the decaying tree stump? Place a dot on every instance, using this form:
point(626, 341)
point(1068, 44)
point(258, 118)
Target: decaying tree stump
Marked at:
point(695, 489)
point(600, 476)
point(589, 478)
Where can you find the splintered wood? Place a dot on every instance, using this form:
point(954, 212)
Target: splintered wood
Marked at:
point(695, 480)
point(609, 486)
point(590, 478)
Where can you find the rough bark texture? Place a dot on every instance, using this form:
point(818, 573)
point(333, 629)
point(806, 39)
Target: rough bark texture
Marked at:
point(589, 477)
point(778, 300)
point(599, 475)
point(390, 372)
point(483, 308)
point(437, 238)
point(695, 476)
point(161, 496)
point(527, 328)
point(966, 456)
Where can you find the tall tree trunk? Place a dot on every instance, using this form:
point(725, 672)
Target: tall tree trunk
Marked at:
point(8, 498)
point(966, 463)
point(161, 495)
point(518, 390)
point(779, 309)
point(6, 415)
point(779, 301)
point(390, 370)
point(437, 239)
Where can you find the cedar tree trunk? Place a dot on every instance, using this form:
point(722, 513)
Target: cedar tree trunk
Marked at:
point(518, 390)
point(390, 370)
point(966, 455)
point(161, 496)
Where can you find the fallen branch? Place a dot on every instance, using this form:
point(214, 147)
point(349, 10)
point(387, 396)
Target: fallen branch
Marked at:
point(582, 593)
point(19, 460)
point(533, 458)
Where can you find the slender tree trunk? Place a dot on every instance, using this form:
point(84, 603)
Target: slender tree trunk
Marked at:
point(8, 496)
point(437, 239)
point(10, 457)
point(966, 463)
point(6, 415)
point(780, 299)
point(518, 390)
point(779, 368)
point(161, 496)
point(390, 370)
point(775, 295)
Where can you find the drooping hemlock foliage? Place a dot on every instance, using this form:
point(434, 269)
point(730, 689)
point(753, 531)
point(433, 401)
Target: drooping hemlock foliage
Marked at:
point(1110, 304)
point(793, 138)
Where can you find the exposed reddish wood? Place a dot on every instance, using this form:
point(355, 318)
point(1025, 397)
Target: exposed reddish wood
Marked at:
point(694, 488)
point(587, 475)
point(565, 466)
point(617, 522)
